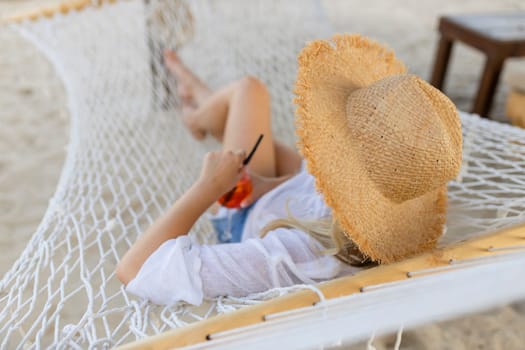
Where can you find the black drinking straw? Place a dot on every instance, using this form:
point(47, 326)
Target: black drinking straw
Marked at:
point(247, 159)
point(245, 162)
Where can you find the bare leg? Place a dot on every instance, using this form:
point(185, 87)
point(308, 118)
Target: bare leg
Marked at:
point(190, 88)
point(234, 115)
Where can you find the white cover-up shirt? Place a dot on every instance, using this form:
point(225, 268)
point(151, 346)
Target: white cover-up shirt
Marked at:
point(181, 269)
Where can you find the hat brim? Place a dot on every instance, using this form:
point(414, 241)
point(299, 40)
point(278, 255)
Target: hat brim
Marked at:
point(328, 73)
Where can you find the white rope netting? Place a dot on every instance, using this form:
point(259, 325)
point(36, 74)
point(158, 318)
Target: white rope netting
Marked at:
point(129, 157)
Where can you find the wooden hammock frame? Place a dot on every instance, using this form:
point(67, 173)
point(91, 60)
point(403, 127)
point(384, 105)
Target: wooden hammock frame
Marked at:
point(49, 11)
point(499, 242)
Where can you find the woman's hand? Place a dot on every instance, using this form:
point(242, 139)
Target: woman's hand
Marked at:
point(221, 171)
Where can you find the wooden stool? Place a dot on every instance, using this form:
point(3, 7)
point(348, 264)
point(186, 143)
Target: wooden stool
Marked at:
point(498, 36)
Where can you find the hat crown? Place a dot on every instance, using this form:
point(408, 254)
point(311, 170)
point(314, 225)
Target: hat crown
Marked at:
point(407, 135)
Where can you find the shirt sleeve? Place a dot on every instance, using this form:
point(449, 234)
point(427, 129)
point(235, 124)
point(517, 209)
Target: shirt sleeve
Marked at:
point(179, 270)
point(170, 274)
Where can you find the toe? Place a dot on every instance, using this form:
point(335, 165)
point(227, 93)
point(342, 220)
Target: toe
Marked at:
point(184, 93)
point(170, 56)
point(172, 61)
point(198, 134)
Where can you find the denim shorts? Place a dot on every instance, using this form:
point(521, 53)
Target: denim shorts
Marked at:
point(229, 223)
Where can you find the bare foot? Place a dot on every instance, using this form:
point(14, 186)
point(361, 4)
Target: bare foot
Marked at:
point(190, 119)
point(190, 88)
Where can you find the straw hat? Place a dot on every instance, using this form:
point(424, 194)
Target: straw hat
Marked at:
point(381, 143)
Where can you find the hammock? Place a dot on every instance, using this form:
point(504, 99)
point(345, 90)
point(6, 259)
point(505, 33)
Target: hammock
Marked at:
point(129, 158)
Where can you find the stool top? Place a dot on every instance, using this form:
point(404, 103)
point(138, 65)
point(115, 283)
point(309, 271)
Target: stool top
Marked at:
point(501, 27)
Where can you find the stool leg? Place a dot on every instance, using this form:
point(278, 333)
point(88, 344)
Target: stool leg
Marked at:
point(441, 62)
point(487, 86)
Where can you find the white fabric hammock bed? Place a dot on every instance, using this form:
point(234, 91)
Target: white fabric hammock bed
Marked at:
point(129, 158)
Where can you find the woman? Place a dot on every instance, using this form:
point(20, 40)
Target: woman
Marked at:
point(381, 144)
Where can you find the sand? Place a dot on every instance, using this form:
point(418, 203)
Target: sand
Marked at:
point(34, 130)
point(34, 125)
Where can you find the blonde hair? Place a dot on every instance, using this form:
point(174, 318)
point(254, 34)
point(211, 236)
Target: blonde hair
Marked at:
point(328, 232)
